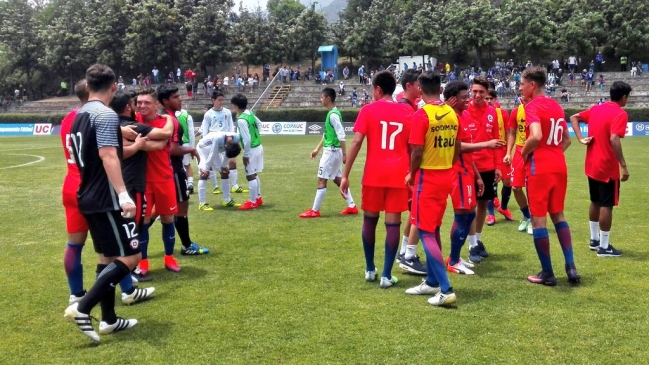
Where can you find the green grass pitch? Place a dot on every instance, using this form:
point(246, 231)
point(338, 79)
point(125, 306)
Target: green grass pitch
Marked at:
point(280, 290)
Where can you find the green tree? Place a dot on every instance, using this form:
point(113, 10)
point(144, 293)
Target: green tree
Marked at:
point(284, 11)
point(627, 27)
point(208, 34)
point(311, 32)
point(423, 37)
point(531, 30)
point(253, 37)
point(106, 32)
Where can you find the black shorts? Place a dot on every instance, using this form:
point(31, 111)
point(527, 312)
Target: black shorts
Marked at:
point(488, 178)
point(604, 194)
point(113, 235)
point(180, 180)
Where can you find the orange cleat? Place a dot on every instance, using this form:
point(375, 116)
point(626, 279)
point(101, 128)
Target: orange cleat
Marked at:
point(348, 211)
point(171, 264)
point(506, 213)
point(248, 206)
point(310, 214)
point(144, 266)
point(496, 203)
point(259, 202)
point(491, 220)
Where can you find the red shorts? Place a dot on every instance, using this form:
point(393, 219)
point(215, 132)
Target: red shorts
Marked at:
point(162, 195)
point(379, 199)
point(432, 188)
point(75, 221)
point(546, 193)
point(506, 171)
point(518, 170)
point(464, 191)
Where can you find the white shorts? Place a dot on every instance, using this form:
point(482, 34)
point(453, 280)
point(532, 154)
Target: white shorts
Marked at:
point(220, 162)
point(331, 163)
point(187, 158)
point(255, 160)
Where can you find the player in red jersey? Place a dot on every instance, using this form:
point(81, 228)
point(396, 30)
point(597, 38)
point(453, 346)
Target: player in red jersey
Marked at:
point(467, 183)
point(485, 121)
point(604, 159)
point(387, 128)
point(547, 173)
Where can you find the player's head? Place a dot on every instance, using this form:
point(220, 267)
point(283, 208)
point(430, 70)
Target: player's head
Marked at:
point(492, 97)
point(430, 83)
point(533, 80)
point(383, 84)
point(239, 103)
point(620, 92)
point(81, 90)
point(217, 99)
point(147, 103)
point(479, 90)
point(410, 83)
point(123, 103)
point(232, 148)
point(460, 91)
point(100, 79)
point(169, 97)
point(328, 97)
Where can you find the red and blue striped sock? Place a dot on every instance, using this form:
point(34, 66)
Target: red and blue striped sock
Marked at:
point(435, 268)
point(74, 268)
point(392, 236)
point(368, 235)
point(542, 245)
point(565, 239)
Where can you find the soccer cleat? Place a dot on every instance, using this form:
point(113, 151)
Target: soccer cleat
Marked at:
point(143, 266)
point(75, 299)
point(82, 321)
point(370, 275)
point(121, 324)
point(544, 278)
point(442, 299)
point(466, 263)
point(231, 203)
point(216, 191)
point(259, 202)
point(458, 268)
point(206, 207)
point(573, 276)
point(491, 220)
point(139, 277)
point(171, 264)
point(523, 226)
point(239, 190)
point(386, 283)
point(194, 250)
point(496, 203)
point(413, 265)
point(248, 206)
point(136, 296)
point(483, 250)
point(349, 211)
point(530, 229)
point(423, 289)
point(609, 252)
point(474, 255)
point(506, 213)
point(190, 189)
point(594, 245)
point(310, 214)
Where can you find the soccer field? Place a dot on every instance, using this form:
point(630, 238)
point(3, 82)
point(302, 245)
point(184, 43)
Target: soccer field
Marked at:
point(279, 289)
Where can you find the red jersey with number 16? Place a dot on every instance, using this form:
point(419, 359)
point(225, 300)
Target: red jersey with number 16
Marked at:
point(386, 125)
point(548, 157)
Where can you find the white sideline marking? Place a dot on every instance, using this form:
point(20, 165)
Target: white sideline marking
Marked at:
point(38, 159)
point(29, 148)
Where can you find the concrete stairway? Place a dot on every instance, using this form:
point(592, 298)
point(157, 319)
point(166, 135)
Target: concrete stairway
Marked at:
point(276, 96)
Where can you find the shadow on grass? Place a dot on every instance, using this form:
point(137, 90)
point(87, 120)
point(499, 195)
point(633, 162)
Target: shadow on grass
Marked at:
point(187, 273)
point(634, 255)
point(473, 294)
point(495, 266)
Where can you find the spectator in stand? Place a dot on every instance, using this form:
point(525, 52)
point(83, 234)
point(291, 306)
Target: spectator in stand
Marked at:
point(361, 75)
point(354, 98)
point(623, 61)
point(601, 82)
point(599, 60)
point(178, 73)
point(155, 72)
point(346, 72)
point(266, 73)
point(571, 78)
point(564, 95)
point(189, 88)
point(341, 88)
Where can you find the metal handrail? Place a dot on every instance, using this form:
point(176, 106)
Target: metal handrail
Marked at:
point(266, 89)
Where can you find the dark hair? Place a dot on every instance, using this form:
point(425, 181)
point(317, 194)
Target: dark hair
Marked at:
point(148, 91)
point(165, 92)
point(329, 93)
point(429, 82)
point(240, 101)
point(386, 81)
point(493, 93)
point(480, 81)
point(216, 94)
point(208, 106)
point(620, 89)
point(80, 90)
point(409, 76)
point(99, 77)
point(536, 74)
point(232, 149)
point(120, 101)
point(454, 88)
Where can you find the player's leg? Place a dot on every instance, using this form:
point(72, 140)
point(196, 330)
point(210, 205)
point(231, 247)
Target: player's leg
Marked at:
point(351, 206)
point(77, 229)
point(488, 177)
point(187, 159)
point(608, 198)
point(593, 214)
point(396, 202)
point(436, 277)
point(225, 181)
point(372, 204)
point(260, 167)
point(215, 183)
point(505, 195)
point(491, 217)
point(255, 165)
point(539, 202)
point(143, 267)
point(320, 194)
point(464, 202)
point(202, 195)
point(556, 204)
point(167, 206)
point(234, 177)
point(181, 220)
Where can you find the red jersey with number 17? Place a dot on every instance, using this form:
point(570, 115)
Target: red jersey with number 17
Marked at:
point(386, 125)
point(548, 157)
point(73, 171)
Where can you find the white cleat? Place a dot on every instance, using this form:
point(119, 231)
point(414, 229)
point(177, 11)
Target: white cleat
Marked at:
point(423, 289)
point(441, 299)
point(370, 275)
point(137, 295)
point(74, 299)
point(82, 321)
point(121, 324)
point(530, 230)
point(386, 283)
point(466, 264)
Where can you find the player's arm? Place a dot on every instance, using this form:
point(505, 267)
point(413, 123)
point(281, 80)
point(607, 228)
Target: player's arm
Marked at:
point(478, 179)
point(192, 133)
point(574, 122)
point(205, 126)
point(245, 138)
point(512, 127)
point(340, 133)
point(618, 130)
point(473, 147)
point(230, 122)
point(355, 147)
point(129, 148)
point(317, 149)
point(497, 153)
point(163, 133)
point(533, 139)
point(108, 143)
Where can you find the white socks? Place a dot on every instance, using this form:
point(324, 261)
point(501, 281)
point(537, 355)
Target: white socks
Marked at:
point(478, 236)
point(190, 180)
point(404, 243)
point(215, 183)
point(226, 190)
point(411, 252)
point(234, 178)
point(319, 197)
point(473, 241)
point(258, 187)
point(252, 186)
point(594, 231)
point(349, 199)
point(604, 239)
point(202, 187)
